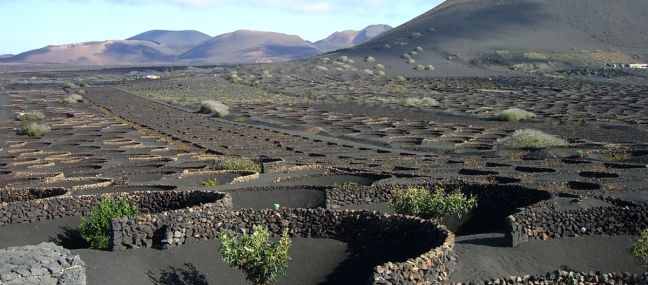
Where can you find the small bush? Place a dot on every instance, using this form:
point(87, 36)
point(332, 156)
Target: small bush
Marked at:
point(426, 204)
point(321, 68)
point(411, 61)
point(504, 54)
point(217, 109)
point(387, 46)
point(419, 49)
point(419, 67)
point(347, 185)
point(343, 58)
point(514, 115)
point(430, 67)
point(406, 56)
point(72, 99)
point(240, 164)
point(414, 53)
point(535, 56)
point(379, 66)
point(34, 130)
point(96, 229)
point(368, 71)
point(370, 59)
point(30, 116)
point(528, 138)
point(415, 35)
point(422, 102)
point(401, 78)
point(260, 259)
point(69, 85)
point(640, 249)
point(212, 182)
point(380, 73)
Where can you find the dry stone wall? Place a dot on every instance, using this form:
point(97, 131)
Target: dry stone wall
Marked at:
point(178, 227)
point(543, 221)
point(15, 195)
point(64, 206)
point(45, 263)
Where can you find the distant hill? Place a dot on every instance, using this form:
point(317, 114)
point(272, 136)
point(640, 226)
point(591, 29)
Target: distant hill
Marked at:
point(349, 38)
point(6, 55)
point(115, 52)
point(245, 46)
point(177, 41)
point(459, 35)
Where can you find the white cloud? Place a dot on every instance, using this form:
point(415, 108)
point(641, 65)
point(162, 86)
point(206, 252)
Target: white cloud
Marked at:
point(306, 6)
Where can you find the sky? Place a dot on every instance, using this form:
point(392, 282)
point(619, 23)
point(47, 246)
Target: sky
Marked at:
point(31, 24)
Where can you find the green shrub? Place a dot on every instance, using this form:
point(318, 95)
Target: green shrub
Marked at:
point(419, 67)
point(72, 99)
point(321, 68)
point(343, 58)
point(215, 108)
point(426, 204)
point(410, 61)
point(30, 116)
point(430, 67)
point(212, 182)
point(370, 59)
point(504, 54)
point(406, 56)
point(69, 85)
point(640, 249)
point(528, 138)
point(260, 259)
point(422, 102)
point(368, 71)
point(240, 164)
point(379, 66)
point(415, 35)
point(33, 129)
point(419, 49)
point(380, 73)
point(347, 185)
point(96, 229)
point(401, 78)
point(514, 115)
point(535, 56)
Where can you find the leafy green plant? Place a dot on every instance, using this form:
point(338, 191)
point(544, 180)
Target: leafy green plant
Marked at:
point(30, 116)
point(240, 164)
point(347, 185)
point(535, 56)
point(212, 182)
point(422, 102)
point(72, 99)
point(259, 258)
point(69, 85)
point(435, 204)
point(529, 138)
point(96, 228)
point(514, 115)
point(640, 249)
point(217, 109)
point(33, 129)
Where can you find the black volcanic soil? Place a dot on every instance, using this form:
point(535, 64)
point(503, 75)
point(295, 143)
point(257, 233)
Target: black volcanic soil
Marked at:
point(485, 256)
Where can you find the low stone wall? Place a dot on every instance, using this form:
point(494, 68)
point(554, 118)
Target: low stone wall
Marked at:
point(45, 263)
point(571, 277)
point(543, 221)
point(16, 195)
point(148, 202)
point(178, 227)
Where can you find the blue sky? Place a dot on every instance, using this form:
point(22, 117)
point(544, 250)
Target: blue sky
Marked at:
point(30, 24)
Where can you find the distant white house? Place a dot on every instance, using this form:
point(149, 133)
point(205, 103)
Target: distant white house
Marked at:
point(639, 65)
point(152, 76)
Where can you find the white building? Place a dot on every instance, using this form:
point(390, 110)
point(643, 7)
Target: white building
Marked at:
point(639, 65)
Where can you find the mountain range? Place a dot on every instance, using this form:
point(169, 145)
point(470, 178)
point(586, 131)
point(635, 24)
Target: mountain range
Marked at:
point(459, 37)
point(189, 46)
